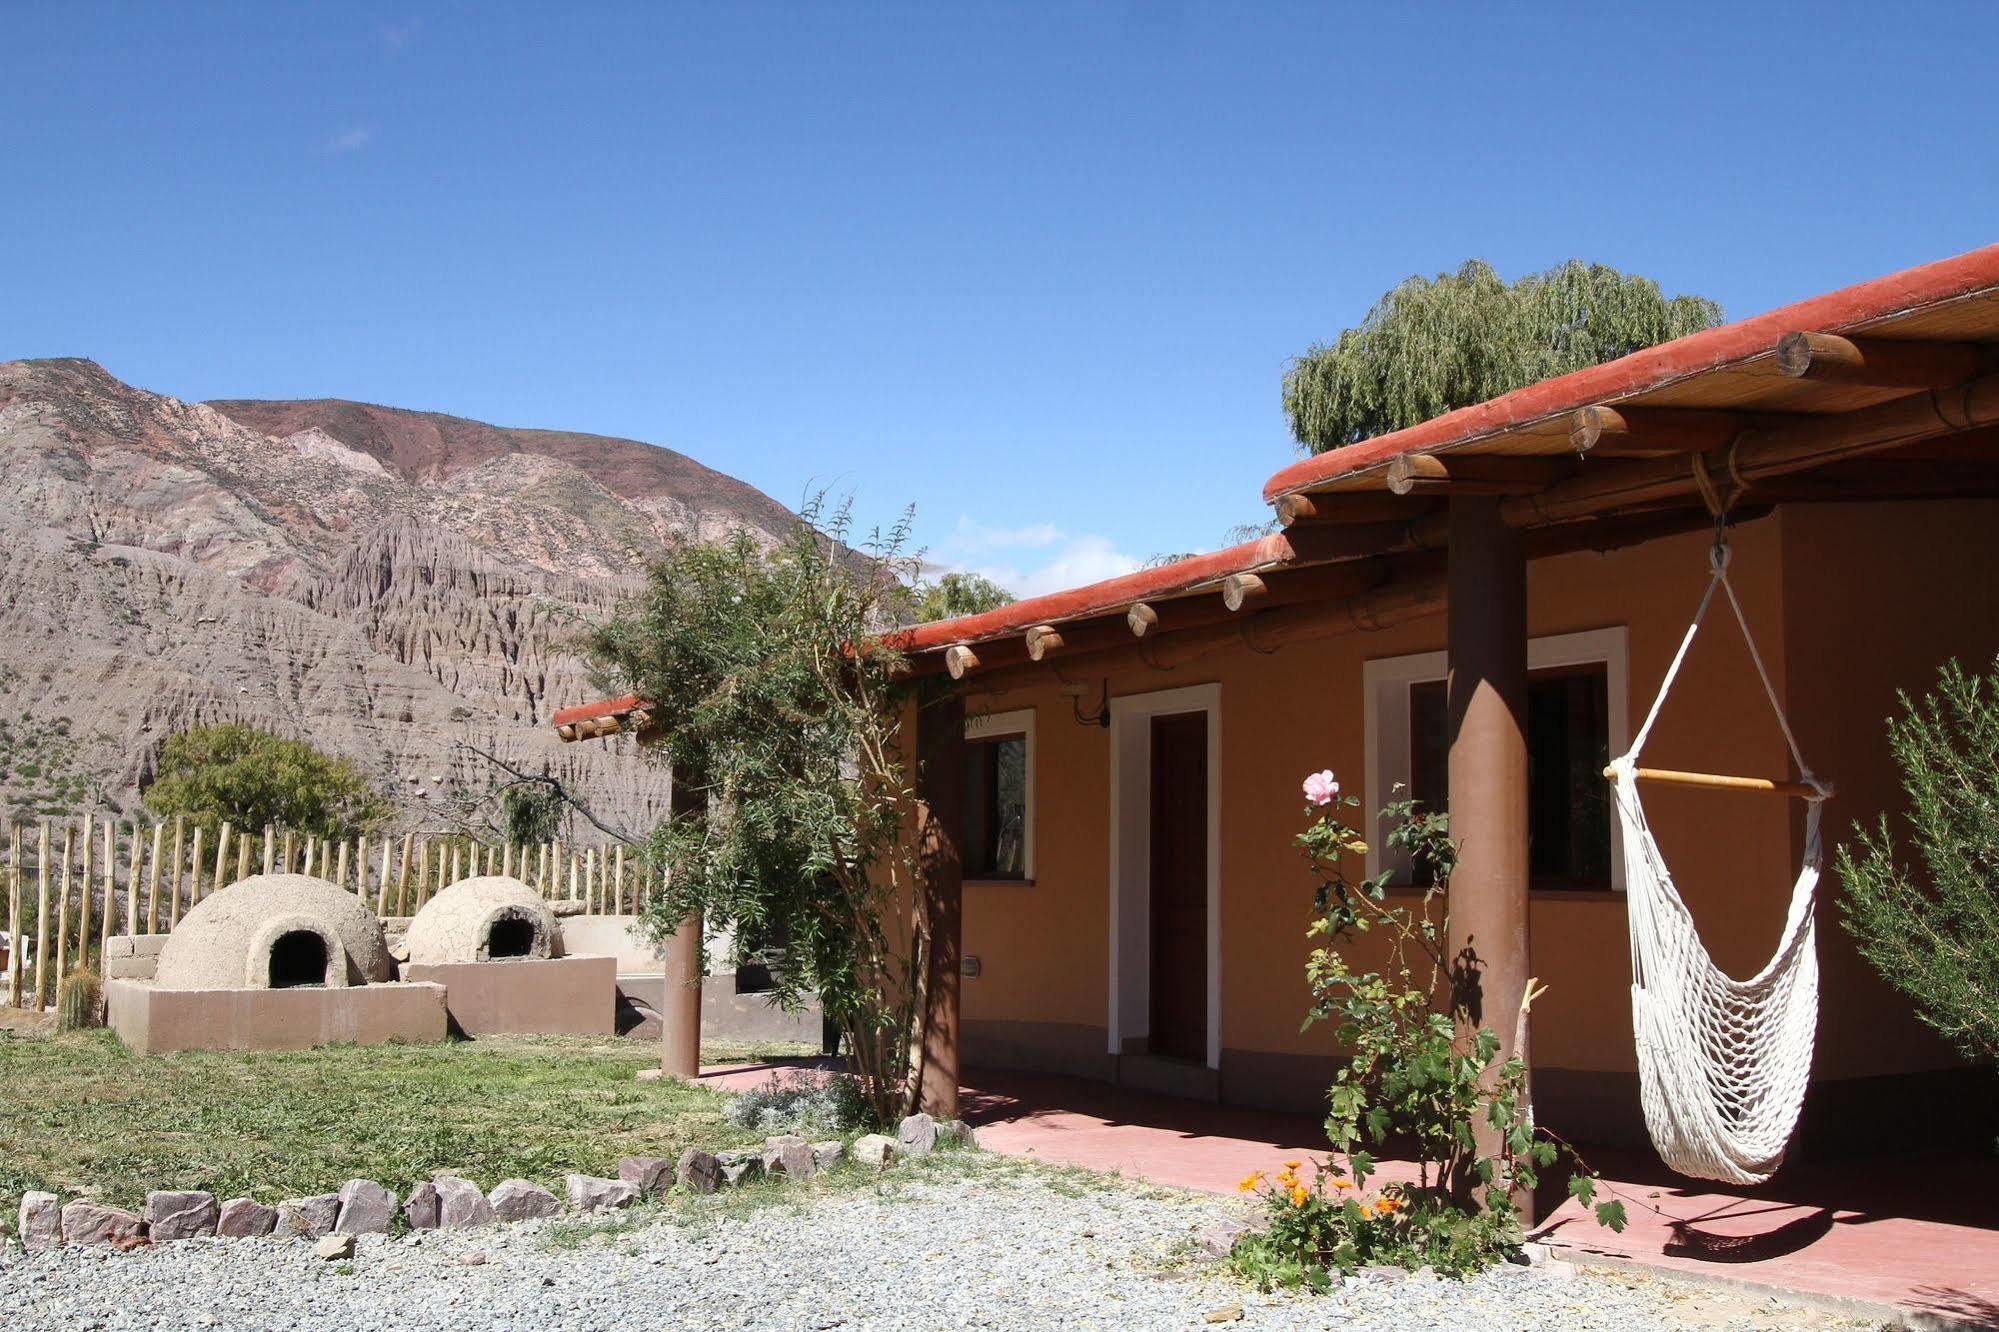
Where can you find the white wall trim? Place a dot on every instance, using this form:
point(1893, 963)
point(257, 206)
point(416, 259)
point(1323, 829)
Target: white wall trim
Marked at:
point(1384, 690)
point(992, 726)
point(1130, 1010)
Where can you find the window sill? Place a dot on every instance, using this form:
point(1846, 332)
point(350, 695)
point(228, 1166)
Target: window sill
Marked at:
point(998, 883)
point(1411, 892)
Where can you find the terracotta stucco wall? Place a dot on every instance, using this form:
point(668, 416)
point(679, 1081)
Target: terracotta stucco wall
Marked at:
point(1044, 947)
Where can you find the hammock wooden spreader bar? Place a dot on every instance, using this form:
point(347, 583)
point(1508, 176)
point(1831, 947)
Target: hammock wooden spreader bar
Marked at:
point(1719, 782)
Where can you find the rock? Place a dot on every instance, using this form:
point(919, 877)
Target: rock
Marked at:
point(245, 1218)
point(875, 1149)
point(420, 1209)
point(789, 1155)
point(1532, 1253)
point(587, 1193)
point(94, 1223)
point(366, 1208)
point(1383, 1272)
point(916, 1135)
point(826, 1154)
point(460, 1204)
point(653, 1175)
point(334, 1247)
point(1558, 1269)
point(518, 1200)
point(698, 1171)
point(740, 1167)
point(308, 1217)
point(1228, 1313)
point(40, 1221)
point(477, 1257)
point(959, 1132)
point(177, 1214)
point(1219, 1239)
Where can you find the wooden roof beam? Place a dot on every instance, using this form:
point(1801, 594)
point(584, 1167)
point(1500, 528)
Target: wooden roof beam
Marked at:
point(1828, 358)
point(1610, 432)
point(1471, 474)
point(1300, 510)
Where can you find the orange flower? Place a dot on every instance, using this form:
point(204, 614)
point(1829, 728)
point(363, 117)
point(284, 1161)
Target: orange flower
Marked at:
point(1250, 1181)
point(1383, 1206)
point(1342, 1183)
point(1293, 1165)
point(1298, 1195)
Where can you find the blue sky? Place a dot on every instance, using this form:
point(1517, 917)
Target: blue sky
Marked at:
point(1036, 269)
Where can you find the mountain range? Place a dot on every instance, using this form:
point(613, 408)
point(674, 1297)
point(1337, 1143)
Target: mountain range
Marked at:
point(403, 588)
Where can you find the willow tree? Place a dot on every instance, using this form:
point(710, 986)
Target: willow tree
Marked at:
point(777, 699)
point(1433, 344)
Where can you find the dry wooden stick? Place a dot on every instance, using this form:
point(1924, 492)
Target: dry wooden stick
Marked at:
point(221, 858)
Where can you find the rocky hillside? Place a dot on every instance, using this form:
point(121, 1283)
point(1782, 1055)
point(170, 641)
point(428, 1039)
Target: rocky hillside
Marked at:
point(393, 585)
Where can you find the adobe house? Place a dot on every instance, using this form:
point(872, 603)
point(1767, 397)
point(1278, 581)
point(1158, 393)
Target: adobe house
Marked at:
point(1481, 608)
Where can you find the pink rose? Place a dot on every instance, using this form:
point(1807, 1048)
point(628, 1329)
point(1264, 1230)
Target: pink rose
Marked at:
point(1320, 788)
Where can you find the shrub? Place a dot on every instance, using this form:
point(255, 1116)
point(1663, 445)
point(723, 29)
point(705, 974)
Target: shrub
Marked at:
point(808, 1108)
point(251, 779)
point(1935, 935)
point(1415, 1075)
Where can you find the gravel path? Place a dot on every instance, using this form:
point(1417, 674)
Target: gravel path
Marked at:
point(982, 1243)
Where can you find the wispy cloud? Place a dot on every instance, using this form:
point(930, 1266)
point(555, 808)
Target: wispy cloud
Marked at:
point(350, 140)
point(398, 36)
point(1028, 561)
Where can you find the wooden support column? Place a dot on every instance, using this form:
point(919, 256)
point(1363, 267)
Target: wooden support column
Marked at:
point(1487, 617)
point(940, 791)
point(680, 987)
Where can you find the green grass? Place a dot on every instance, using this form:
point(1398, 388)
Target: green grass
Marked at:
point(79, 1115)
point(755, 1052)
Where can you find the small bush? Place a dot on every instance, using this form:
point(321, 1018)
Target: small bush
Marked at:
point(79, 1002)
point(836, 1105)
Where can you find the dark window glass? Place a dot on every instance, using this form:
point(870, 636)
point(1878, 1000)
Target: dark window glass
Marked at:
point(1568, 744)
point(996, 808)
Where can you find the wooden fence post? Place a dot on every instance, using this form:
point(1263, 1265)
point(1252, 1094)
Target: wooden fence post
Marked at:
point(42, 915)
point(83, 913)
point(153, 881)
point(340, 868)
point(62, 903)
point(290, 863)
point(110, 921)
point(403, 875)
point(221, 858)
point(270, 848)
point(14, 956)
point(132, 878)
point(193, 878)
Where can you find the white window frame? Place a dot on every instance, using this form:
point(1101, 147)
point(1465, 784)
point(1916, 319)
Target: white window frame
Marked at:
point(999, 726)
point(1130, 998)
point(1385, 685)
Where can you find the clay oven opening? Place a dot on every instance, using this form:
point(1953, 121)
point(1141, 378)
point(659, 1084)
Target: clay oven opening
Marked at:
point(298, 957)
point(510, 936)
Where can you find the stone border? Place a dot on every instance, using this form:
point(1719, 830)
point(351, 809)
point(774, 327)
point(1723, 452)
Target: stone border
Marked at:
point(450, 1202)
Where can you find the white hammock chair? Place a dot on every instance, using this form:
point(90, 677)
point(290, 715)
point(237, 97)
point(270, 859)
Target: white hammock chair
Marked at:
point(1722, 1063)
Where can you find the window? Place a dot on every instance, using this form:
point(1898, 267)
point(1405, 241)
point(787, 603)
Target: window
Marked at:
point(998, 841)
point(1576, 699)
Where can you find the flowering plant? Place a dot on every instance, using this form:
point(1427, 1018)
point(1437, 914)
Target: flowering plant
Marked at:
point(1417, 1075)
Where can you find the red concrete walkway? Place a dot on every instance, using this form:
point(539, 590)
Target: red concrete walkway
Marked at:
point(1920, 1234)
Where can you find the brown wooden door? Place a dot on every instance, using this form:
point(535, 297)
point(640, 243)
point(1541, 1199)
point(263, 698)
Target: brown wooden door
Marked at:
point(1180, 885)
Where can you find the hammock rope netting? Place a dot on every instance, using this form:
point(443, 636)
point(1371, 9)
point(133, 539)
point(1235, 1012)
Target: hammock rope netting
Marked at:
point(1722, 1063)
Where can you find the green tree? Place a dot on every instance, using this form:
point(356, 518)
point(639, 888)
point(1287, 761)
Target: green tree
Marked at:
point(1433, 344)
point(230, 771)
point(779, 702)
point(957, 594)
point(1935, 934)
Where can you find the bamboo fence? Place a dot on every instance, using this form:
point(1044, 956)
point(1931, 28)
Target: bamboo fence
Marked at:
point(72, 884)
